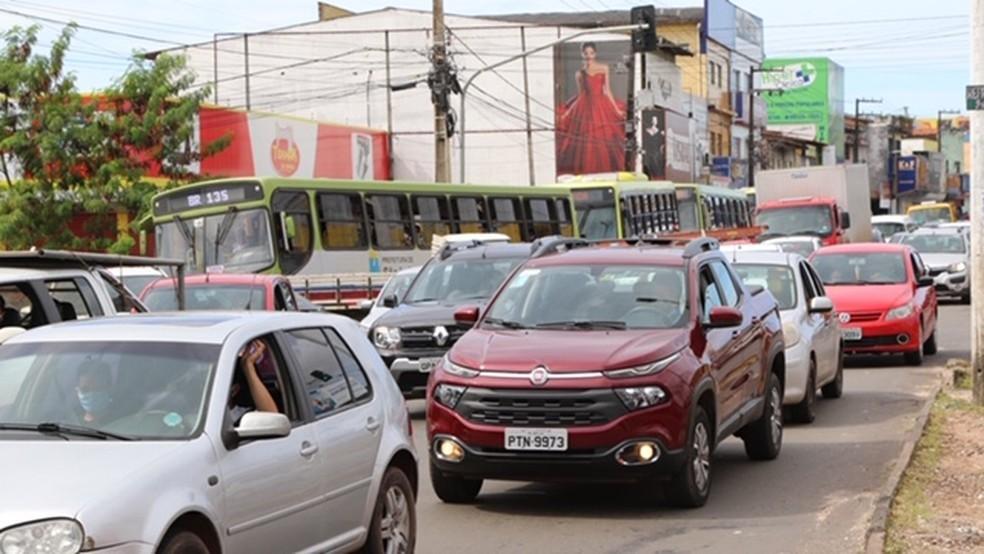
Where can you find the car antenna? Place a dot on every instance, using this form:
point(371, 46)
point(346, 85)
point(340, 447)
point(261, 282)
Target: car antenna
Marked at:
point(249, 302)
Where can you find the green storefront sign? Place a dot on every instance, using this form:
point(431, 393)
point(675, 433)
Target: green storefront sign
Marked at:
point(806, 93)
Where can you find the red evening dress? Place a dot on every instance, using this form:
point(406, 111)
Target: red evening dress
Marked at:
point(590, 132)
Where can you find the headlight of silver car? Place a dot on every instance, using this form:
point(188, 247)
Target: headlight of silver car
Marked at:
point(54, 536)
point(957, 267)
point(386, 338)
point(639, 371)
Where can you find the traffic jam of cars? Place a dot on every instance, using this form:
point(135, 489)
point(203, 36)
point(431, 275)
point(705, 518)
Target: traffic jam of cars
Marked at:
point(263, 424)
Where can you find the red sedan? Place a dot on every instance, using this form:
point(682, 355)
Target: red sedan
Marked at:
point(884, 298)
point(223, 291)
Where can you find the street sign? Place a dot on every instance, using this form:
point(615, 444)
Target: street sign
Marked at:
point(975, 97)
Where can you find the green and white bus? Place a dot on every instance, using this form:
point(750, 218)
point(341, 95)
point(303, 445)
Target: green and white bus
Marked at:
point(628, 206)
point(322, 227)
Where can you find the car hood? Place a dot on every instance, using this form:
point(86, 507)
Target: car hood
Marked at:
point(565, 351)
point(943, 261)
point(421, 315)
point(56, 478)
point(868, 298)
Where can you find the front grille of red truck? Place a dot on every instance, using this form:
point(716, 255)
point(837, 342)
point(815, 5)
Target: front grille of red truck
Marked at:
point(540, 408)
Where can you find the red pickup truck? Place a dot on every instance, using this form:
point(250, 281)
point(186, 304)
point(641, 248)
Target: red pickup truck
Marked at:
point(621, 362)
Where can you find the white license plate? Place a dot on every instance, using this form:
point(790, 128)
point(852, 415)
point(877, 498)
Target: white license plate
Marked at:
point(851, 333)
point(536, 439)
point(427, 364)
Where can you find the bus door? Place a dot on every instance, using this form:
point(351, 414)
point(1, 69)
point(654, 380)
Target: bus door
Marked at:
point(292, 229)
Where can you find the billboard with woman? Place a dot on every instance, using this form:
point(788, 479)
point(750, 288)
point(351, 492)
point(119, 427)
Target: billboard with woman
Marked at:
point(591, 81)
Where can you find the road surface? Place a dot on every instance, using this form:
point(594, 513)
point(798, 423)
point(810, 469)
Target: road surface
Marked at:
point(816, 497)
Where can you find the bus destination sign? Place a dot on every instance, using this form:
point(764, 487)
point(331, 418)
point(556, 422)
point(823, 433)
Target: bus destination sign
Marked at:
point(205, 197)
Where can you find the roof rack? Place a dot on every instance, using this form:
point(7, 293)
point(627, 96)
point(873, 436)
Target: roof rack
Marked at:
point(700, 245)
point(456, 246)
point(555, 244)
point(54, 259)
point(654, 240)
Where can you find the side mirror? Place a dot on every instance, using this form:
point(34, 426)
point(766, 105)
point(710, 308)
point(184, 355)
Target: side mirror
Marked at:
point(263, 425)
point(821, 305)
point(845, 220)
point(365, 305)
point(723, 316)
point(389, 301)
point(466, 316)
point(925, 281)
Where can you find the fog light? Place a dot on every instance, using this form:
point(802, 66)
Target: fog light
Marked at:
point(902, 338)
point(638, 453)
point(449, 450)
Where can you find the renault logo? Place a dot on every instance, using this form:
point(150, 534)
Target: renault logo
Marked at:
point(844, 317)
point(441, 335)
point(539, 376)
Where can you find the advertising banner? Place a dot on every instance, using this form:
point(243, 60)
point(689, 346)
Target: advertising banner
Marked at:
point(654, 143)
point(807, 91)
point(591, 84)
point(907, 169)
point(679, 164)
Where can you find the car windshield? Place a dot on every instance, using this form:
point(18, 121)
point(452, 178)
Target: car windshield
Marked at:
point(796, 221)
point(592, 297)
point(138, 390)
point(458, 280)
point(889, 229)
point(208, 297)
point(237, 241)
point(936, 244)
point(396, 286)
point(861, 268)
point(777, 279)
point(930, 215)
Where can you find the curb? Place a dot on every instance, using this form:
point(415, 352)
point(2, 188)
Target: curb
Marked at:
point(875, 539)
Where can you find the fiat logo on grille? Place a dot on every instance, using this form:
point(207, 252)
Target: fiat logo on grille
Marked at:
point(539, 376)
point(844, 317)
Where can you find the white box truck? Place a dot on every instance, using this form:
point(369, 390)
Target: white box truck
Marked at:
point(828, 201)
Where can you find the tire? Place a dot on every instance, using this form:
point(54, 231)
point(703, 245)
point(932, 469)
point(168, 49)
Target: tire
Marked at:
point(965, 299)
point(394, 519)
point(929, 347)
point(763, 437)
point(452, 489)
point(183, 542)
point(691, 486)
point(914, 358)
point(835, 388)
point(805, 411)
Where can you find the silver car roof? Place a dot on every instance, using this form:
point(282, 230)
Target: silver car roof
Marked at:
point(764, 258)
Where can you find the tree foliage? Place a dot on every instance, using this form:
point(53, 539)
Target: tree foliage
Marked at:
point(64, 154)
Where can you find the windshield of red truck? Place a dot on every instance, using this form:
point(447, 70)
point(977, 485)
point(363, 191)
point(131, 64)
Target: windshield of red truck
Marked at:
point(798, 220)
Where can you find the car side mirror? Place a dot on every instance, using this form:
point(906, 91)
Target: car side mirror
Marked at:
point(263, 425)
point(466, 316)
point(365, 305)
point(821, 305)
point(925, 281)
point(389, 301)
point(723, 316)
point(845, 220)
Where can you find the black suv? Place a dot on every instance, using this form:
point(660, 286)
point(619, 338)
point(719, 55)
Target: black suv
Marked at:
point(413, 336)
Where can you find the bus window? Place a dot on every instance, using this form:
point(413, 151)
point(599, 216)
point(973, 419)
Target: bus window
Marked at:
point(292, 227)
point(596, 213)
point(563, 212)
point(690, 220)
point(389, 220)
point(469, 214)
point(542, 222)
point(342, 225)
point(430, 213)
point(506, 218)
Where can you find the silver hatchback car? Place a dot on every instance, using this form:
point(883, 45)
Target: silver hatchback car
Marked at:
point(212, 432)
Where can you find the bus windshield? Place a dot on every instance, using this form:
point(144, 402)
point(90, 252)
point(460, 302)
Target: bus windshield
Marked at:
point(596, 213)
point(236, 241)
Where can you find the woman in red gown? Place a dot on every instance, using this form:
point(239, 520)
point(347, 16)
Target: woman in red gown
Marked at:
point(591, 125)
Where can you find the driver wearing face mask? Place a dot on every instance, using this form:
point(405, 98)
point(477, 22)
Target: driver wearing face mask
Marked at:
point(94, 392)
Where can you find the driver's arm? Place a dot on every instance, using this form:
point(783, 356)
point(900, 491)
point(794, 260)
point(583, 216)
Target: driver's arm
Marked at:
point(261, 395)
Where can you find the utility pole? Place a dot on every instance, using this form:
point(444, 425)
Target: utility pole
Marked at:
point(439, 82)
point(751, 118)
point(977, 203)
point(939, 127)
point(857, 123)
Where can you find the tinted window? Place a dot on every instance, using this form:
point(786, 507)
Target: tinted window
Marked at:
point(564, 216)
point(541, 218)
point(506, 217)
point(341, 221)
point(469, 213)
point(390, 222)
point(324, 381)
point(457, 280)
point(19, 307)
point(361, 389)
point(292, 228)
point(431, 217)
point(710, 297)
point(726, 282)
point(69, 299)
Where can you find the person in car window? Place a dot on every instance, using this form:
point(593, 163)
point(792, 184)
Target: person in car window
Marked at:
point(246, 376)
point(94, 392)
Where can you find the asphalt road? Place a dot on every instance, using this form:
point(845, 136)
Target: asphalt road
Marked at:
point(817, 497)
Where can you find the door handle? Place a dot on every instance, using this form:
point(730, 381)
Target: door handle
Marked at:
point(372, 424)
point(308, 449)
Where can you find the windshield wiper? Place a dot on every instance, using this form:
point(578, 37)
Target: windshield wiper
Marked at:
point(584, 324)
point(62, 429)
point(504, 323)
point(223, 231)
